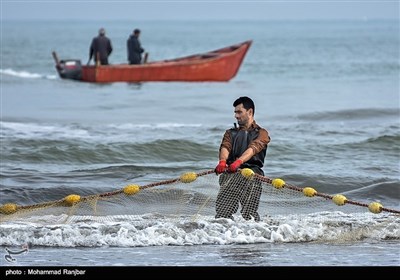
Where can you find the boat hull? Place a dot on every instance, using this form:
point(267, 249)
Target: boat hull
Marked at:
point(216, 66)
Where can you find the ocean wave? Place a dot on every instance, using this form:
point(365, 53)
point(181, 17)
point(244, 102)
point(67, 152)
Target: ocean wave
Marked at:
point(351, 115)
point(26, 74)
point(104, 132)
point(82, 152)
point(161, 230)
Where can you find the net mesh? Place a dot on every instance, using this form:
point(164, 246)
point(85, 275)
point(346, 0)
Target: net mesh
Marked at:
point(241, 195)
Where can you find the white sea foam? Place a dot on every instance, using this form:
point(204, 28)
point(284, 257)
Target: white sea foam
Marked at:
point(138, 231)
point(25, 74)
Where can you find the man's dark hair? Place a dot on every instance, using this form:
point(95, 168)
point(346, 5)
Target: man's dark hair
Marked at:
point(136, 31)
point(247, 103)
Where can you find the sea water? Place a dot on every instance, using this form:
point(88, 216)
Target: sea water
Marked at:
point(327, 92)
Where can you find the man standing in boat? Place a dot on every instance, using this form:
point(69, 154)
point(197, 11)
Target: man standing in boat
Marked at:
point(241, 147)
point(134, 48)
point(100, 48)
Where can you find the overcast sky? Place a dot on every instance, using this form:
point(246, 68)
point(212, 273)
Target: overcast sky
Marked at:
point(198, 10)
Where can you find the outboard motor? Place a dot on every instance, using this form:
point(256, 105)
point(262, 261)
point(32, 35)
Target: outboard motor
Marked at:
point(70, 69)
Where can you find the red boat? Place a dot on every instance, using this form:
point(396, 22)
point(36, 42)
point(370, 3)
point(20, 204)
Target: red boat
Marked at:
point(215, 66)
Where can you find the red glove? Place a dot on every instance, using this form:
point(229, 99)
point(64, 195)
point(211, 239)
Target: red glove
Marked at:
point(235, 165)
point(221, 167)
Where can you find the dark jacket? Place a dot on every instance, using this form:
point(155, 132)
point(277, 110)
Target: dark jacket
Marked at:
point(102, 45)
point(135, 50)
point(236, 141)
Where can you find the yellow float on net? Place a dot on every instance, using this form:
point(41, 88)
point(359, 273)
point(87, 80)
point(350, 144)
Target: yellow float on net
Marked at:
point(339, 199)
point(188, 177)
point(72, 199)
point(8, 208)
point(375, 207)
point(308, 191)
point(131, 189)
point(278, 183)
point(247, 173)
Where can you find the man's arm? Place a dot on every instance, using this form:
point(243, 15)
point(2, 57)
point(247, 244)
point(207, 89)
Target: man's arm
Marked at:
point(223, 153)
point(109, 47)
point(260, 143)
point(91, 50)
point(248, 154)
point(225, 147)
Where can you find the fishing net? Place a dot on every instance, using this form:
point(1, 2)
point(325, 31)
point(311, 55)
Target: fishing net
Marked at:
point(242, 195)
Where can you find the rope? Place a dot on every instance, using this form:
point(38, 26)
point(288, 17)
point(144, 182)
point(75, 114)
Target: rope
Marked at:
point(327, 196)
point(262, 178)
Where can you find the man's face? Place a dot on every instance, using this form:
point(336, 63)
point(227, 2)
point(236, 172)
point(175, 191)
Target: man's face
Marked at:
point(242, 115)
